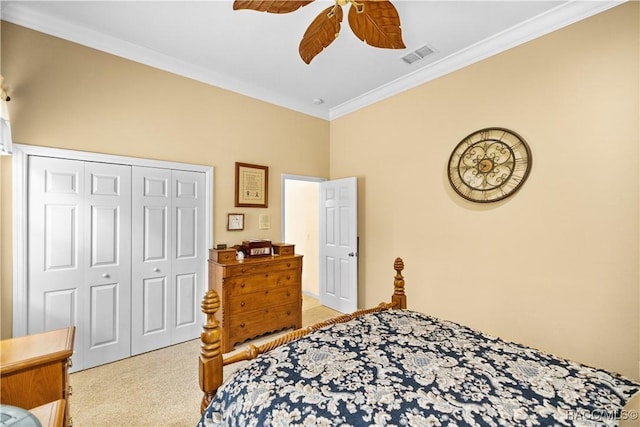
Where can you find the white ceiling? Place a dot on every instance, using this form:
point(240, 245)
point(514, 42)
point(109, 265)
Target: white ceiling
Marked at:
point(256, 54)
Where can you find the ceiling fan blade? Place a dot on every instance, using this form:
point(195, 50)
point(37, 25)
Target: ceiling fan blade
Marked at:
point(376, 23)
point(285, 6)
point(321, 33)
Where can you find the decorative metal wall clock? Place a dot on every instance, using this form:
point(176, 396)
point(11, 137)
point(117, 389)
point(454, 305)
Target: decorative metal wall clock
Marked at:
point(489, 165)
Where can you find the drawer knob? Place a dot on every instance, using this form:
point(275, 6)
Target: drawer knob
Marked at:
point(242, 304)
point(242, 285)
point(243, 271)
point(266, 292)
point(288, 293)
point(288, 277)
point(242, 325)
point(288, 264)
point(288, 312)
point(266, 275)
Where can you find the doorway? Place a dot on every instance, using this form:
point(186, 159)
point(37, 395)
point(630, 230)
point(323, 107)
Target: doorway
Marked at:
point(300, 225)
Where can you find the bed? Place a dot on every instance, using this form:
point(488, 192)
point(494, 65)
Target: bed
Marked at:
point(392, 366)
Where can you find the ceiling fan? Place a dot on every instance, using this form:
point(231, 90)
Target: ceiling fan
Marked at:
point(375, 22)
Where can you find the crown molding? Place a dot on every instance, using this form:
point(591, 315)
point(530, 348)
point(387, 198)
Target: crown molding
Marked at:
point(19, 13)
point(566, 14)
point(555, 19)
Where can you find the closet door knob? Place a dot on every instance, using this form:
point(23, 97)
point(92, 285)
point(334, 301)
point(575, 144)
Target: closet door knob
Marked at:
point(157, 270)
point(105, 275)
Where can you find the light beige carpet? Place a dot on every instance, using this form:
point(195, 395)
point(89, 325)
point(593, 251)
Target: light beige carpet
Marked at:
point(159, 388)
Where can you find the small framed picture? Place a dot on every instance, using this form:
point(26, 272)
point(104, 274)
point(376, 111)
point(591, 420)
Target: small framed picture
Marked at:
point(235, 221)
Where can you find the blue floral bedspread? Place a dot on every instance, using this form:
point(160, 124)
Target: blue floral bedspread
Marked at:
point(405, 368)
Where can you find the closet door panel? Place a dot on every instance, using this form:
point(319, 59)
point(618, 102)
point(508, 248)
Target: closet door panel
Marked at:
point(189, 254)
point(107, 258)
point(104, 320)
point(55, 246)
point(155, 229)
point(60, 307)
point(154, 295)
point(186, 294)
point(61, 236)
point(151, 269)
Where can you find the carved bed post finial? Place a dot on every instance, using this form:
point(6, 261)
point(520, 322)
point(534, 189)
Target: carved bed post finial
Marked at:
point(399, 299)
point(210, 363)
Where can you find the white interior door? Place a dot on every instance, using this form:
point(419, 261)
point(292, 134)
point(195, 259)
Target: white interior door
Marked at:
point(55, 239)
point(189, 254)
point(169, 257)
point(107, 301)
point(339, 244)
point(79, 264)
point(151, 264)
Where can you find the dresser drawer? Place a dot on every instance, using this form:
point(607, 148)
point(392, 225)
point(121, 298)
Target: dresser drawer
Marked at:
point(242, 303)
point(260, 282)
point(249, 269)
point(259, 322)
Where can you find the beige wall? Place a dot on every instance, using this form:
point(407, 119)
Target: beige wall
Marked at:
point(68, 96)
point(556, 265)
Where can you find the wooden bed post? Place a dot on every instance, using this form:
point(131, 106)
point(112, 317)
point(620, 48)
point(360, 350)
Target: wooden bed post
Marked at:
point(210, 362)
point(399, 299)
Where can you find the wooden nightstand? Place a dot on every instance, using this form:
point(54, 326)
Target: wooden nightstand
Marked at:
point(51, 414)
point(34, 370)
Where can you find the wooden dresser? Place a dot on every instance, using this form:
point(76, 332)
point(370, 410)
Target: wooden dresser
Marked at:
point(257, 295)
point(34, 370)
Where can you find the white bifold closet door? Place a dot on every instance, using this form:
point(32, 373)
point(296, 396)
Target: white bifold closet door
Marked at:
point(118, 251)
point(80, 255)
point(168, 262)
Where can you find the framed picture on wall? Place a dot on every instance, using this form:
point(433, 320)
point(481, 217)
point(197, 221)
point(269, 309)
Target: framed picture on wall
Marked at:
point(235, 221)
point(252, 186)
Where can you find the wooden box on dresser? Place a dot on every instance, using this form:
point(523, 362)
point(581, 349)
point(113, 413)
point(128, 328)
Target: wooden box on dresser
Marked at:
point(257, 295)
point(34, 373)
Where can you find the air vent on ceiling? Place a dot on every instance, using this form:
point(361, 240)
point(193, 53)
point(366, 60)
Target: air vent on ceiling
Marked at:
point(418, 54)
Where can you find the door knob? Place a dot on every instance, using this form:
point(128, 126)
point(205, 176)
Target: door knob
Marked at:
point(353, 254)
point(157, 270)
point(105, 275)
